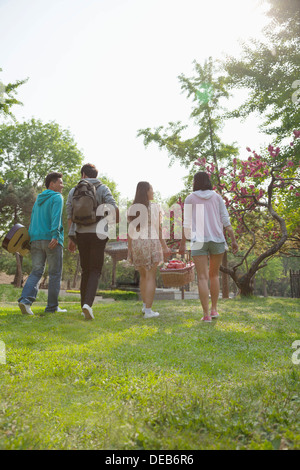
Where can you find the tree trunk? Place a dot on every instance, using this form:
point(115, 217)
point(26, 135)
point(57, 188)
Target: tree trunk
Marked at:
point(19, 274)
point(246, 286)
point(114, 267)
point(225, 278)
point(254, 284)
point(265, 288)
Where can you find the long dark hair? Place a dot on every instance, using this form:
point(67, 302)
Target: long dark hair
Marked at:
point(201, 181)
point(141, 196)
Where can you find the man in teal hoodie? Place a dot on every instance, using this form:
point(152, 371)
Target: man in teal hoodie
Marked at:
point(46, 237)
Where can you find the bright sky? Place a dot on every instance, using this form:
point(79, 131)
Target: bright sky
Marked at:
point(106, 68)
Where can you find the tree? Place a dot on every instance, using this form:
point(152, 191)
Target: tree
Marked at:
point(254, 188)
point(283, 10)
point(16, 202)
point(209, 89)
point(30, 150)
point(270, 71)
point(8, 98)
point(271, 272)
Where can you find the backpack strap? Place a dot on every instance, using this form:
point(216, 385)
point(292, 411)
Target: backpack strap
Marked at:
point(97, 185)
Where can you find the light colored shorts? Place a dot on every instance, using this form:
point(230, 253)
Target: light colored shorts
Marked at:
point(208, 248)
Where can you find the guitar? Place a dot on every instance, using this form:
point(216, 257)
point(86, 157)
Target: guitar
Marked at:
point(17, 240)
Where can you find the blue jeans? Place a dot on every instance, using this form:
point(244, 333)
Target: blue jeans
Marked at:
point(39, 254)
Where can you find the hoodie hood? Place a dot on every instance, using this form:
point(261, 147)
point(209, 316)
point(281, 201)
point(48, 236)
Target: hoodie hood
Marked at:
point(45, 195)
point(206, 194)
point(92, 180)
point(46, 217)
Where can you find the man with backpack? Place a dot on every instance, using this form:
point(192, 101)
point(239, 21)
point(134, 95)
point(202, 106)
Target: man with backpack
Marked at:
point(82, 203)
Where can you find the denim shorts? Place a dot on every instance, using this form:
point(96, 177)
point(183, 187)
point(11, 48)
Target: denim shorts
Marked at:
point(208, 248)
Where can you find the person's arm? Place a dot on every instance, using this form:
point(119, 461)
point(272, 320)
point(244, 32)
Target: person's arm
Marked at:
point(71, 244)
point(56, 215)
point(234, 244)
point(186, 227)
point(227, 226)
point(109, 199)
point(53, 243)
point(167, 252)
point(69, 206)
point(182, 246)
point(129, 255)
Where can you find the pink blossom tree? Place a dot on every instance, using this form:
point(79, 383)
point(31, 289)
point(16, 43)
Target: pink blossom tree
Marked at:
point(261, 190)
point(254, 191)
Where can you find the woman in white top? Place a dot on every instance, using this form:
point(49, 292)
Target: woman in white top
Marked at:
point(146, 247)
point(205, 217)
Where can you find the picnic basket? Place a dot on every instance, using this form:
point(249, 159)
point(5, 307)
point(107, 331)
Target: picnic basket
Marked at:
point(178, 277)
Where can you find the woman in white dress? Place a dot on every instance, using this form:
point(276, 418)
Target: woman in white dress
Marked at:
point(146, 247)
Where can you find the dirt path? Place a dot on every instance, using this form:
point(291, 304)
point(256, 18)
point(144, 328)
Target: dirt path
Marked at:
point(5, 278)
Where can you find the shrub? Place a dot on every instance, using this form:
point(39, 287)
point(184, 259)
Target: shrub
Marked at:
point(113, 294)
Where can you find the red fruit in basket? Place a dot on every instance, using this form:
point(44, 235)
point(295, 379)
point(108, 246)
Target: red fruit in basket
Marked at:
point(176, 264)
point(172, 265)
point(181, 264)
point(172, 262)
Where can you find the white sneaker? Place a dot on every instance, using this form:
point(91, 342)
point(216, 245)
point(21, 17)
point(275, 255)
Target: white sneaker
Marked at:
point(88, 312)
point(25, 309)
point(61, 310)
point(151, 314)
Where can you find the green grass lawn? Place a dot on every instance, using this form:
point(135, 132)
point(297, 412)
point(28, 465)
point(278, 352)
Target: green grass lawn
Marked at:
point(125, 382)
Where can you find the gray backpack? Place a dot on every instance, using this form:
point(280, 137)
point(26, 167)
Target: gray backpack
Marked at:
point(84, 203)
